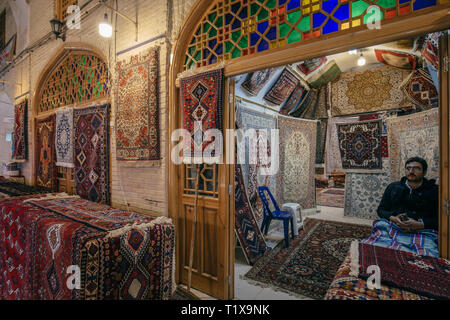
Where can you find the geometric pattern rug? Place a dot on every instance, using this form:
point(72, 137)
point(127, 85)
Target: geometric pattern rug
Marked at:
point(297, 169)
point(310, 263)
point(20, 134)
point(45, 152)
point(137, 113)
point(360, 146)
point(255, 81)
point(420, 90)
point(91, 153)
point(246, 227)
point(363, 192)
point(414, 135)
point(282, 88)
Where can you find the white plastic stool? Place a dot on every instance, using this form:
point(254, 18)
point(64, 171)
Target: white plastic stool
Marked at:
point(296, 210)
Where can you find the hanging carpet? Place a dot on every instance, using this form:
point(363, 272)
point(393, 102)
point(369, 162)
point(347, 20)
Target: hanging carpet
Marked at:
point(414, 135)
point(324, 75)
point(366, 91)
point(137, 110)
point(91, 153)
point(282, 88)
point(321, 138)
point(363, 192)
point(313, 106)
point(419, 89)
point(297, 160)
point(255, 81)
point(20, 133)
point(294, 99)
point(45, 153)
point(262, 123)
point(245, 226)
point(360, 146)
point(308, 266)
point(64, 138)
point(202, 101)
point(396, 59)
point(309, 66)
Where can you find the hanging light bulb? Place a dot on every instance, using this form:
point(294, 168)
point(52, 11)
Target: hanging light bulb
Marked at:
point(361, 60)
point(104, 28)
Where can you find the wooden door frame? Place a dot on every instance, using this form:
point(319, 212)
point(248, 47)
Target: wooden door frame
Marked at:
point(425, 21)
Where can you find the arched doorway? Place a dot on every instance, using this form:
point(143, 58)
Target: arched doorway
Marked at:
point(294, 39)
point(76, 77)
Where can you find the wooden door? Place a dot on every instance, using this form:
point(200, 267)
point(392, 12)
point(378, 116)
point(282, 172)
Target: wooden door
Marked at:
point(444, 137)
point(213, 256)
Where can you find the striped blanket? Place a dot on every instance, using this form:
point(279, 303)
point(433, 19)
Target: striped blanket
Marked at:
point(387, 234)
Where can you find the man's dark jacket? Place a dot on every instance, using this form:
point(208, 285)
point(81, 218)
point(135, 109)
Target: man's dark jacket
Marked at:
point(420, 203)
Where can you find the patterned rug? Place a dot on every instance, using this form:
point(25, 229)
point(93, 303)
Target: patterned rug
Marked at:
point(369, 90)
point(332, 152)
point(45, 152)
point(250, 119)
point(331, 198)
point(20, 133)
point(419, 89)
point(282, 88)
point(246, 228)
point(326, 74)
point(297, 169)
point(360, 146)
point(396, 59)
point(64, 138)
point(130, 263)
point(363, 192)
point(137, 111)
point(424, 275)
point(414, 135)
point(255, 81)
point(183, 294)
point(308, 266)
point(294, 100)
point(14, 189)
point(202, 101)
point(91, 153)
point(313, 106)
point(320, 140)
point(309, 66)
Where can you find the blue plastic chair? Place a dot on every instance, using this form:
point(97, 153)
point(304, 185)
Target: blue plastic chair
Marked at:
point(276, 214)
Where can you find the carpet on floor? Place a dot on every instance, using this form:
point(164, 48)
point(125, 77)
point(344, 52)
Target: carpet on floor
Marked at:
point(308, 266)
point(332, 197)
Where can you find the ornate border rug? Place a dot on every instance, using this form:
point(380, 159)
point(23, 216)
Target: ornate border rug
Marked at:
point(424, 275)
point(414, 135)
point(297, 160)
point(295, 99)
point(250, 119)
point(309, 265)
point(419, 88)
point(137, 110)
point(45, 152)
point(369, 90)
point(255, 81)
point(321, 140)
point(20, 135)
point(396, 59)
point(64, 138)
point(91, 153)
point(360, 146)
point(363, 192)
point(202, 100)
point(282, 88)
point(245, 225)
point(313, 106)
point(309, 66)
point(332, 153)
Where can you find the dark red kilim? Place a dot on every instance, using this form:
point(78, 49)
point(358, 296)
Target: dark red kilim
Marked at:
point(19, 152)
point(424, 275)
point(45, 152)
point(308, 266)
point(202, 100)
point(91, 153)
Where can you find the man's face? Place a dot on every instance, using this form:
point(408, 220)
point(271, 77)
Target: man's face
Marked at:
point(414, 172)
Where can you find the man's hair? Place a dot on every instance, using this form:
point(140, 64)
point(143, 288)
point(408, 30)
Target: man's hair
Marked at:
point(420, 160)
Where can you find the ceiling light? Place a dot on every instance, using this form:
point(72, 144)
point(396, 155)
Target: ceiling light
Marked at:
point(104, 28)
point(361, 61)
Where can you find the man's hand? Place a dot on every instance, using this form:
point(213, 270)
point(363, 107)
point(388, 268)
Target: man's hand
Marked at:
point(407, 225)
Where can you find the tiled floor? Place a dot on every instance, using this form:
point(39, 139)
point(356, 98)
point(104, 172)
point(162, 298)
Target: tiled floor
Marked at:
point(244, 290)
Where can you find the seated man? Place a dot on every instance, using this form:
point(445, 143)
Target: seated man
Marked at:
point(412, 202)
point(408, 213)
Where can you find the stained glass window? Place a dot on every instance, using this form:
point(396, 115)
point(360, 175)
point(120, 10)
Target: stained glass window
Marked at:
point(236, 28)
point(62, 6)
point(79, 78)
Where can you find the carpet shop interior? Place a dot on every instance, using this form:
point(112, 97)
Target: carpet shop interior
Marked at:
point(357, 116)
